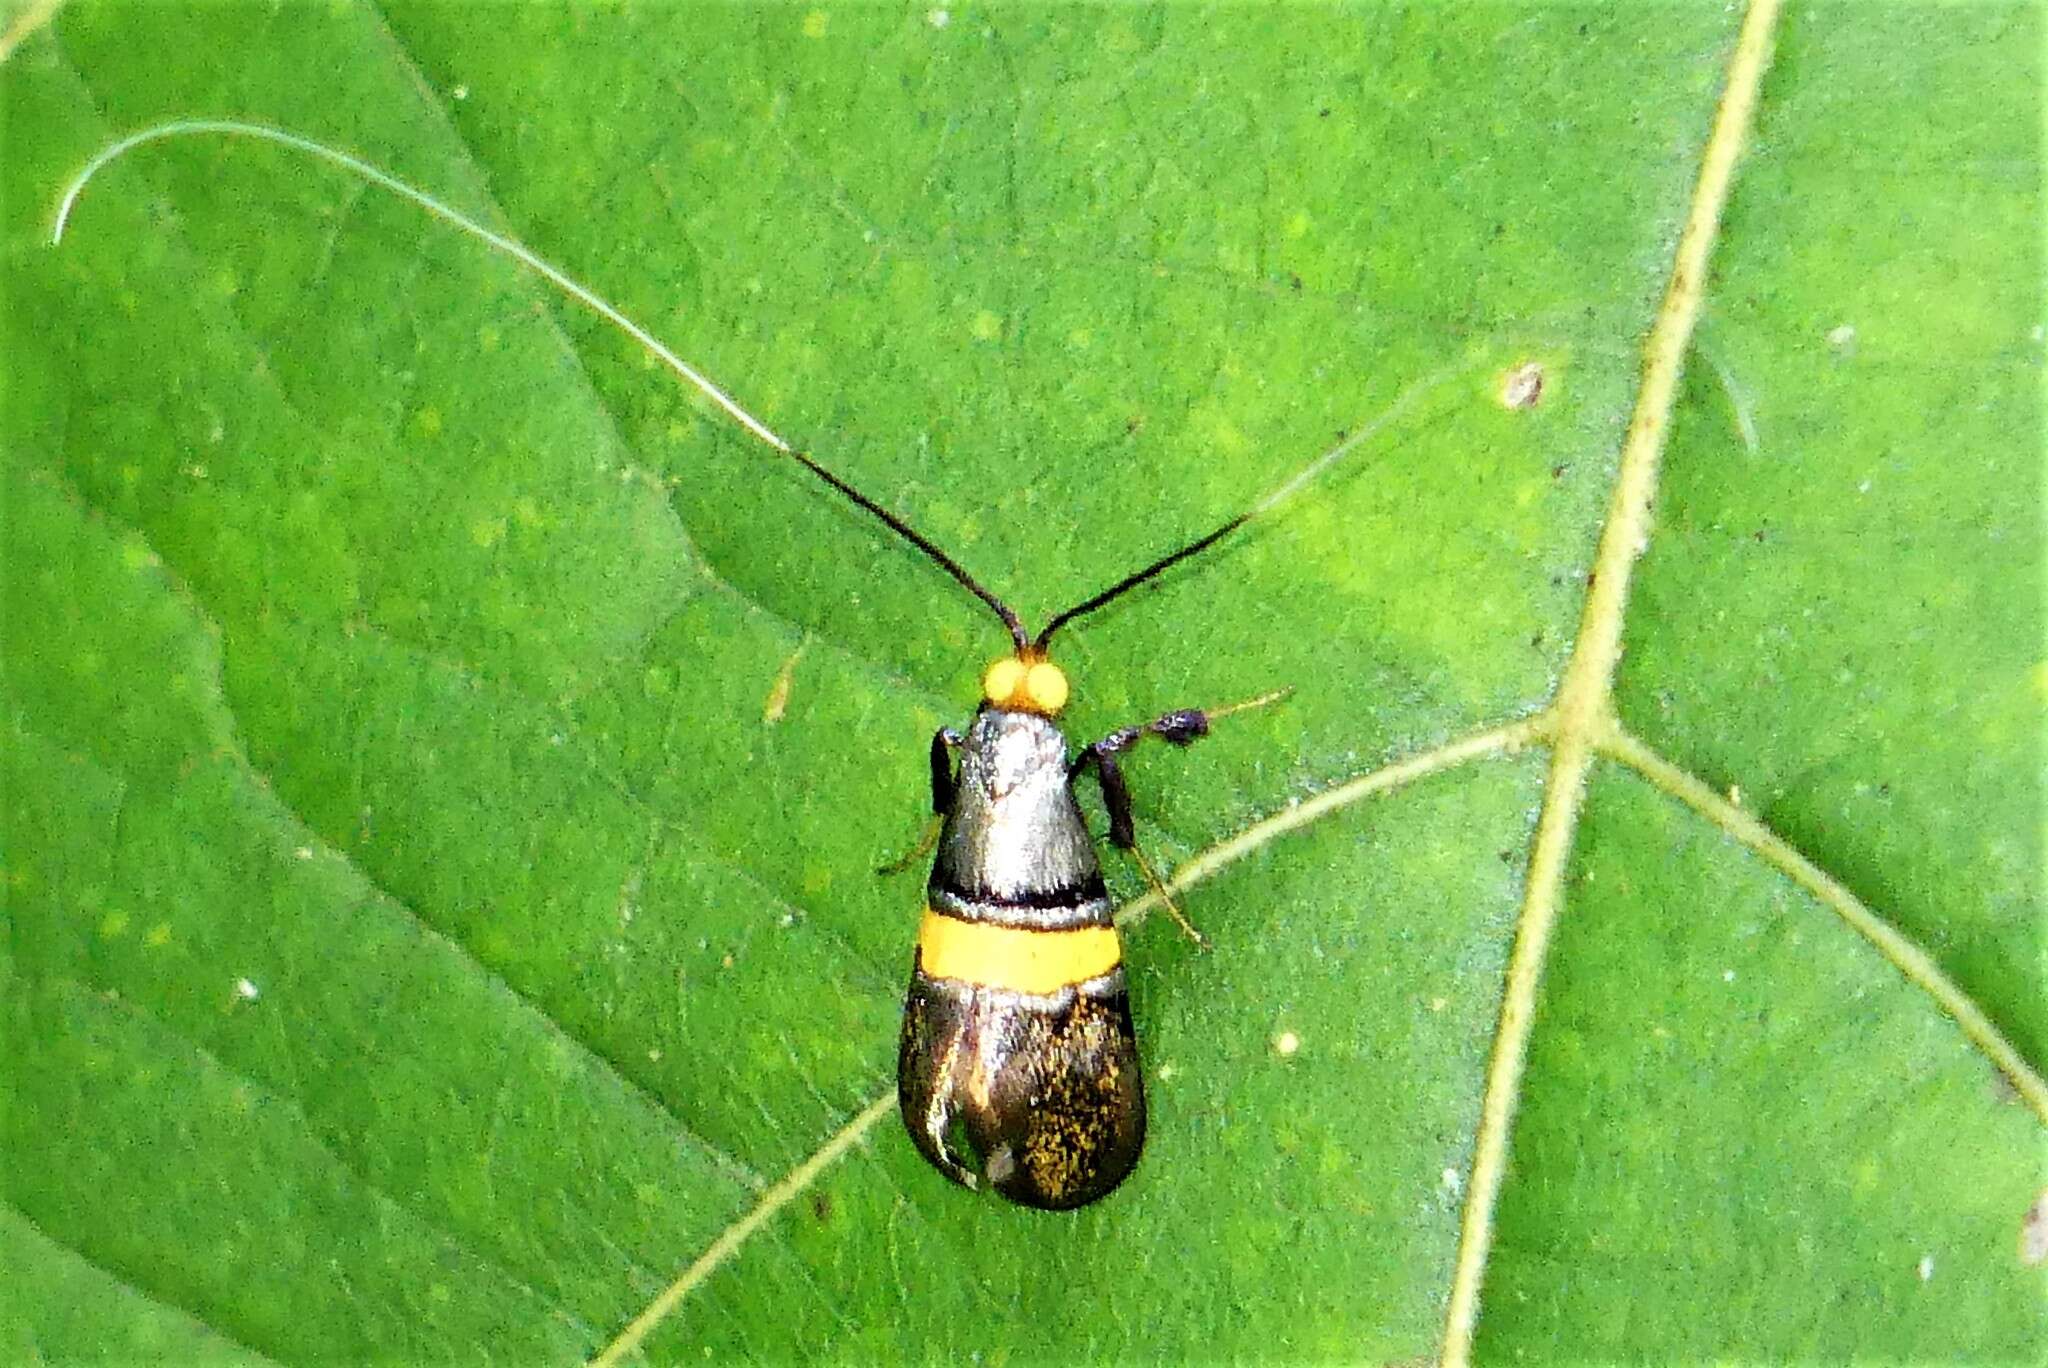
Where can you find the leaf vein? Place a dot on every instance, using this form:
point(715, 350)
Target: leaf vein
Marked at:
point(1913, 962)
point(135, 1290)
point(210, 633)
point(1585, 697)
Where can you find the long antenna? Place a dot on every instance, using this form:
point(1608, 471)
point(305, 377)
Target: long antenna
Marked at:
point(1130, 582)
point(916, 539)
point(1285, 490)
point(555, 276)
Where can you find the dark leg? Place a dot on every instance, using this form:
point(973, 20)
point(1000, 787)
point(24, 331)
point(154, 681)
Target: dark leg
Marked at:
point(1181, 728)
point(943, 782)
point(1116, 796)
point(943, 785)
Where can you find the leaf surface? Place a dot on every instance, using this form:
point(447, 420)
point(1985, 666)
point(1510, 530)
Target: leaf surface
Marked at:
point(446, 762)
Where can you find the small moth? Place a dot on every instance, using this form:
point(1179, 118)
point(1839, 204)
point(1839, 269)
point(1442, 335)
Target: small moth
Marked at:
point(1017, 1066)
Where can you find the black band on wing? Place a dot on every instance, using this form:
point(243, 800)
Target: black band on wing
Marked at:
point(1057, 909)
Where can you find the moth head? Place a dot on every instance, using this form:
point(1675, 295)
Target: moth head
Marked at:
point(1026, 682)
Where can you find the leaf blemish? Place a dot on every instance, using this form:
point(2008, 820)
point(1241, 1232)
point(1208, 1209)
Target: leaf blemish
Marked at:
point(778, 693)
point(1522, 387)
point(2034, 1232)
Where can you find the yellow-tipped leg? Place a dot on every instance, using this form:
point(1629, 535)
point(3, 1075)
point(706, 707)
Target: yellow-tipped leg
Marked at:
point(1261, 701)
point(923, 848)
point(1166, 900)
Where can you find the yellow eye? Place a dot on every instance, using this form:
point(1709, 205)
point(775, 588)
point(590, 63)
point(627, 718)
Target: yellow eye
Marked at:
point(1046, 684)
point(1002, 679)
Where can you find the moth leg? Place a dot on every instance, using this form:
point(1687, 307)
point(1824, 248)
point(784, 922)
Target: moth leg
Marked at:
point(1182, 727)
point(1166, 900)
point(944, 783)
point(926, 839)
point(1116, 797)
point(944, 740)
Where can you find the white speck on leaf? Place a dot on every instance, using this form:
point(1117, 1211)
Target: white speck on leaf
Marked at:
point(1522, 387)
point(2034, 1232)
point(1926, 1268)
point(246, 991)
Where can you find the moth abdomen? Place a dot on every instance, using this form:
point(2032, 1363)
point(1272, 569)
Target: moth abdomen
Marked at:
point(1036, 1094)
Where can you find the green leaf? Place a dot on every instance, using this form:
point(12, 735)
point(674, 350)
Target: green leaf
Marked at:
point(446, 761)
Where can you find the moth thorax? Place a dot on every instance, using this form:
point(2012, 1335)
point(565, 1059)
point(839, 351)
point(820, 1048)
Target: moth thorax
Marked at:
point(1019, 753)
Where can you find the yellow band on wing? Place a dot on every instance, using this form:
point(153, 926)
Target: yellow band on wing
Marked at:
point(1012, 957)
